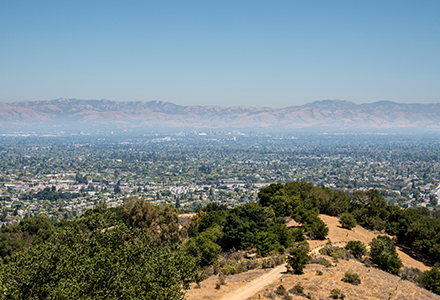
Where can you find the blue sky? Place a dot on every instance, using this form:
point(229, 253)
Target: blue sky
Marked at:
point(257, 53)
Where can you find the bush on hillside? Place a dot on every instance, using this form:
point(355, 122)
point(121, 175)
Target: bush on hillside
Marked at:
point(383, 253)
point(317, 229)
point(431, 279)
point(352, 278)
point(297, 261)
point(347, 221)
point(357, 248)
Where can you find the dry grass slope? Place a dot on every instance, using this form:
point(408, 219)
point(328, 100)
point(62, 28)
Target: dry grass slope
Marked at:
point(376, 284)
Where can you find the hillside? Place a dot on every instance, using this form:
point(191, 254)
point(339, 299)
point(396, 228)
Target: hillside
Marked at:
point(376, 284)
point(327, 113)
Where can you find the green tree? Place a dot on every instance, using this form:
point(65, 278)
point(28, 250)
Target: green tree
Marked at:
point(177, 203)
point(306, 213)
point(383, 253)
point(266, 242)
point(370, 209)
point(318, 229)
point(347, 221)
point(297, 260)
point(242, 224)
point(161, 221)
point(213, 218)
point(117, 263)
point(433, 200)
point(117, 189)
point(204, 248)
point(431, 279)
point(357, 248)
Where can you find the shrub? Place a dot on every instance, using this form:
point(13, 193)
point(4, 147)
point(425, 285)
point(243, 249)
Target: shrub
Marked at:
point(335, 252)
point(411, 274)
point(431, 279)
point(222, 279)
point(297, 234)
point(236, 255)
point(319, 272)
point(318, 229)
point(303, 245)
point(228, 270)
point(347, 221)
point(268, 263)
point(357, 248)
point(298, 289)
point(281, 290)
point(320, 261)
point(246, 265)
point(337, 294)
point(279, 259)
point(272, 261)
point(352, 278)
point(297, 260)
point(383, 253)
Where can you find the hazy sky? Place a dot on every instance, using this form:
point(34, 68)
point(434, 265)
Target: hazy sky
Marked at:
point(258, 53)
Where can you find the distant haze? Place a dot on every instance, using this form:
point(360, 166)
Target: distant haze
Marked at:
point(319, 114)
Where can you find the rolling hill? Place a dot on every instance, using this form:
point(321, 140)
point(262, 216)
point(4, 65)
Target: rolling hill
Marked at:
point(326, 113)
point(317, 279)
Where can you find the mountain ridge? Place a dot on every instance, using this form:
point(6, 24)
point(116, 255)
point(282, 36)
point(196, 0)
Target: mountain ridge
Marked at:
point(321, 113)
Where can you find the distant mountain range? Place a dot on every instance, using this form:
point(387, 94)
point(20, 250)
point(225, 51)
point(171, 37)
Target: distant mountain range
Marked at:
point(326, 113)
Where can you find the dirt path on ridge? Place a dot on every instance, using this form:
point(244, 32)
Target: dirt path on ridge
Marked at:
point(337, 235)
point(256, 285)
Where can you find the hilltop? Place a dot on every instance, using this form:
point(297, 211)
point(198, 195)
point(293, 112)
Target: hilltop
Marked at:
point(326, 113)
point(376, 284)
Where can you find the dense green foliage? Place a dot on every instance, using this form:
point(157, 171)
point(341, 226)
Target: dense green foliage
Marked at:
point(383, 253)
point(128, 252)
point(214, 228)
point(357, 248)
point(414, 228)
point(347, 221)
point(251, 225)
point(297, 260)
point(204, 247)
point(431, 279)
point(118, 263)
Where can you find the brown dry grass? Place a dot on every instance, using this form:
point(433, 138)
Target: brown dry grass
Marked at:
point(376, 284)
point(340, 236)
point(207, 288)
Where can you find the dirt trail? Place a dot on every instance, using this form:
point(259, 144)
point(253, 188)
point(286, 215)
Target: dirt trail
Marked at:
point(339, 237)
point(256, 285)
